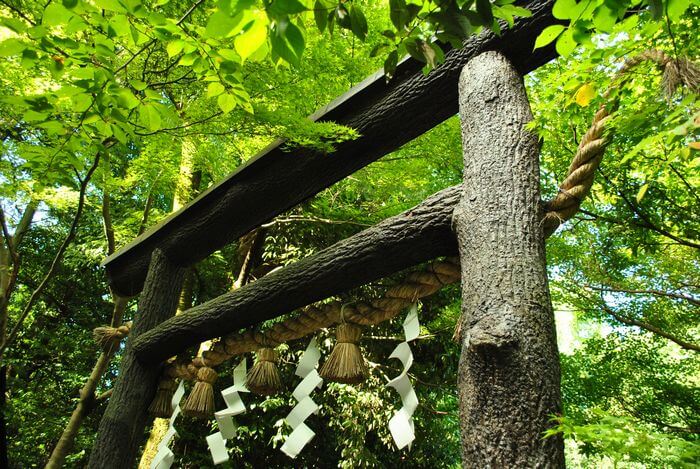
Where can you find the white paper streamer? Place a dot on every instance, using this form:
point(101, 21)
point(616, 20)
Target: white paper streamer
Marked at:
point(401, 424)
point(164, 458)
point(217, 448)
point(227, 425)
point(306, 369)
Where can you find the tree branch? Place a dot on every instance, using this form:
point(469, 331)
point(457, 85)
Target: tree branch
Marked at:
point(56, 260)
point(649, 327)
point(678, 296)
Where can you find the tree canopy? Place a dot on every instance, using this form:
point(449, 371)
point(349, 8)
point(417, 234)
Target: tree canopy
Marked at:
point(117, 112)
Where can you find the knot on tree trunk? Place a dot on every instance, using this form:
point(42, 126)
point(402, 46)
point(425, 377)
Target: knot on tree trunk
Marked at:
point(493, 334)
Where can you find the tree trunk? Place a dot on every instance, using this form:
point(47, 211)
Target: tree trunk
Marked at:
point(122, 425)
point(509, 378)
point(418, 235)
point(87, 396)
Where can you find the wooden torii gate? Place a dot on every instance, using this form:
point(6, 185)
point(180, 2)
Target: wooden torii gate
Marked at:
point(386, 115)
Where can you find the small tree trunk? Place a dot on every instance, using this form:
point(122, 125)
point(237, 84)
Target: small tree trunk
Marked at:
point(509, 374)
point(122, 426)
point(87, 396)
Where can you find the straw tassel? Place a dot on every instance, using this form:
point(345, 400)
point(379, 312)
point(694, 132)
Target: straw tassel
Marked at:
point(200, 402)
point(264, 377)
point(109, 337)
point(345, 363)
point(680, 72)
point(162, 404)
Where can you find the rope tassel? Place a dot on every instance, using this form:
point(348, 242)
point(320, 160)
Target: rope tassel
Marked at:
point(264, 377)
point(162, 404)
point(345, 363)
point(108, 337)
point(200, 402)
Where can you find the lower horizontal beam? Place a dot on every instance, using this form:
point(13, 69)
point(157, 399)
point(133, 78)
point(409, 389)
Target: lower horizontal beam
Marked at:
point(418, 235)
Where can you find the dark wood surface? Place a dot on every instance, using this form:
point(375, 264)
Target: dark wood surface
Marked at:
point(386, 115)
point(122, 426)
point(415, 236)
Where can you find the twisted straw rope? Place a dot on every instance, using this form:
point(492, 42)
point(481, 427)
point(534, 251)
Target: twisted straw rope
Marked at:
point(416, 285)
point(579, 180)
point(419, 284)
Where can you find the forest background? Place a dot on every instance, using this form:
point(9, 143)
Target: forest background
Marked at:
point(116, 113)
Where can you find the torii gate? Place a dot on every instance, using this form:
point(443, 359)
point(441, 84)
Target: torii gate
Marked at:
point(386, 115)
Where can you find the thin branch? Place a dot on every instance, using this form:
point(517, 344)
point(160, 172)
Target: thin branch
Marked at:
point(649, 327)
point(678, 296)
point(685, 182)
point(647, 221)
point(153, 41)
point(56, 260)
point(180, 127)
point(300, 218)
point(18, 12)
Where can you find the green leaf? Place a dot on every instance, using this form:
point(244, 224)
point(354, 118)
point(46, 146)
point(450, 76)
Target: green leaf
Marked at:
point(175, 47)
point(110, 5)
point(120, 26)
point(13, 24)
point(566, 43)
point(676, 8)
point(138, 85)
point(53, 127)
point(56, 14)
point(81, 102)
point(398, 14)
point(564, 9)
point(226, 102)
point(287, 41)
point(657, 9)
point(34, 116)
point(549, 34)
point(10, 47)
point(414, 50)
point(390, 64)
point(250, 41)
point(188, 59)
point(604, 19)
point(283, 8)
point(320, 16)
point(234, 7)
point(358, 22)
point(483, 9)
point(220, 24)
point(150, 117)
point(642, 192)
point(215, 89)
point(126, 99)
point(119, 133)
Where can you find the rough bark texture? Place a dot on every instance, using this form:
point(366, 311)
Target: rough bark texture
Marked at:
point(122, 426)
point(509, 368)
point(415, 236)
point(385, 115)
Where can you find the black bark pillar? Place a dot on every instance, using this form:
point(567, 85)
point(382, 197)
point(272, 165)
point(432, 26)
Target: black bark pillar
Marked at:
point(509, 378)
point(122, 426)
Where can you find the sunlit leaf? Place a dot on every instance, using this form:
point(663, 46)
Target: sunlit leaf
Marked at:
point(584, 95)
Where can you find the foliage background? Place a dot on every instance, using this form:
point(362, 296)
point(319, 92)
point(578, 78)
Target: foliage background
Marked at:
point(631, 396)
